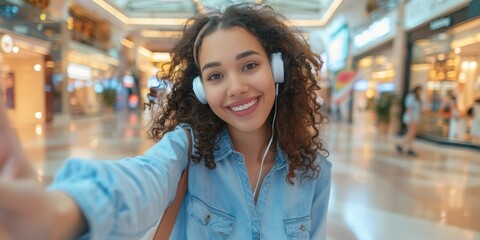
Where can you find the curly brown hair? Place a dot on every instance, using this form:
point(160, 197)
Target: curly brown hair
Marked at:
point(297, 108)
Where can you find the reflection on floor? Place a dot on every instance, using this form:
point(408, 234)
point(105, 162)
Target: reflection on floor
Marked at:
point(376, 193)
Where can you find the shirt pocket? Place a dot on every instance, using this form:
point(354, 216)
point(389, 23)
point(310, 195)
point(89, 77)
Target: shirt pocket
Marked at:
point(298, 228)
point(206, 222)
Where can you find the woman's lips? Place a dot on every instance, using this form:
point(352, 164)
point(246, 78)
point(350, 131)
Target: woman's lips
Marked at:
point(245, 107)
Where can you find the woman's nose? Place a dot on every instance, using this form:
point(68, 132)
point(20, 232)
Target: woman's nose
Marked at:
point(237, 86)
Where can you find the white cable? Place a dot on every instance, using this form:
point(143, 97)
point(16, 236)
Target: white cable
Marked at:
point(268, 146)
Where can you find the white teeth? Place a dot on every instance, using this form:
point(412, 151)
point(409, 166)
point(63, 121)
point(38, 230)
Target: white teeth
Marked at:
point(244, 106)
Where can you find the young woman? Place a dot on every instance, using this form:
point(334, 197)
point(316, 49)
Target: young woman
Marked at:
point(241, 119)
point(411, 117)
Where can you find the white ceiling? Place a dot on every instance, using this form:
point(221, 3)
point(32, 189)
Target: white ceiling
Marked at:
point(167, 16)
point(185, 8)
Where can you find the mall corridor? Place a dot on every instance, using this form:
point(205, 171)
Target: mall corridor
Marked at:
point(376, 193)
point(74, 76)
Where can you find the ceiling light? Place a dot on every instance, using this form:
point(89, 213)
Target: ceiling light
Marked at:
point(37, 67)
point(161, 57)
point(127, 43)
point(473, 65)
point(38, 115)
point(144, 51)
point(330, 11)
point(159, 34)
point(181, 21)
point(120, 16)
point(157, 21)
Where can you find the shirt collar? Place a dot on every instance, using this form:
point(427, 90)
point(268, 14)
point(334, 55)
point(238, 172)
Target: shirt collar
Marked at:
point(224, 147)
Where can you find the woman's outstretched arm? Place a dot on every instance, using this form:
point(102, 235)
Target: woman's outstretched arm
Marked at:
point(27, 211)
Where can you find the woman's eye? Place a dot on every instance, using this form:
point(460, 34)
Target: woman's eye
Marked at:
point(250, 66)
point(214, 76)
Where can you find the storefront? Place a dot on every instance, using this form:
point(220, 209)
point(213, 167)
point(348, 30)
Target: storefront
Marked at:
point(444, 57)
point(28, 60)
point(373, 59)
point(91, 82)
point(23, 77)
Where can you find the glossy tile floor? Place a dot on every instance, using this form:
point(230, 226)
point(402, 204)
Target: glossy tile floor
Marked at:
point(376, 193)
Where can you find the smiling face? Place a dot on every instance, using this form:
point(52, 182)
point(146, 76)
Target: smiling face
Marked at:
point(237, 78)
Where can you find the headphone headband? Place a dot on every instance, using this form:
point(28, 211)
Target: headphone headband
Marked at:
point(199, 35)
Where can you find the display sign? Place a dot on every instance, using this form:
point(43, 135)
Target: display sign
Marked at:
point(338, 49)
point(418, 12)
point(9, 11)
point(344, 83)
point(78, 71)
point(440, 23)
point(375, 31)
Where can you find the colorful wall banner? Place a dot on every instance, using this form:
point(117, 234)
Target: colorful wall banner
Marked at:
point(344, 82)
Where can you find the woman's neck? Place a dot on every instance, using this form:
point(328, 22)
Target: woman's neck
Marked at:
point(251, 144)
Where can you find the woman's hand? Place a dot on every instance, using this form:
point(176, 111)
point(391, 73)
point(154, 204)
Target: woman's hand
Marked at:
point(22, 199)
point(13, 161)
point(27, 211)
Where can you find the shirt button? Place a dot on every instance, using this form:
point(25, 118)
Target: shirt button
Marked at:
point(302, 227)
point(268, 185)
point(207, 219)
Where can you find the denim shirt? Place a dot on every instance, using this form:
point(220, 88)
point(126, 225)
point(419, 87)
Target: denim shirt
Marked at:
point(125, 199)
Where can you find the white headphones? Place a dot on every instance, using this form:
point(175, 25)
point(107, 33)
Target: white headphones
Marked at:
point(277, 72)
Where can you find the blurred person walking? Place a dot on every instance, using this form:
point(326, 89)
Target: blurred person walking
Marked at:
point(474, 111)
point(451, 116)
point(411, 118)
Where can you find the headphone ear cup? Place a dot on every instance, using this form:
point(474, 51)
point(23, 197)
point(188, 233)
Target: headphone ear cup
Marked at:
point(277, 67)
point(198, 90)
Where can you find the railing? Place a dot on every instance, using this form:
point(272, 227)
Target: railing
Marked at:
point(441, 128)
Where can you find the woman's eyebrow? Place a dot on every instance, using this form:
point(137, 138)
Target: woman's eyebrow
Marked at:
point(246, 54)
point(211, 64)
point(239, 56)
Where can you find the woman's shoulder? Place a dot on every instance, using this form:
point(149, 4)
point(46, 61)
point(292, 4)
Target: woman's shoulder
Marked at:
point(323, 162)
point(177, 136)
point(323, 165)
point(179, 130)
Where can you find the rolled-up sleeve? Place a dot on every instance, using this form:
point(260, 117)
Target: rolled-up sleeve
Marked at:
point(125, 198)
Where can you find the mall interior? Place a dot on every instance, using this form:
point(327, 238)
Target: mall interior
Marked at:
point(75, 74)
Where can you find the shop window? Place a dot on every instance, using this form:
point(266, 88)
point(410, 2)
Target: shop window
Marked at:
point(448, 65)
